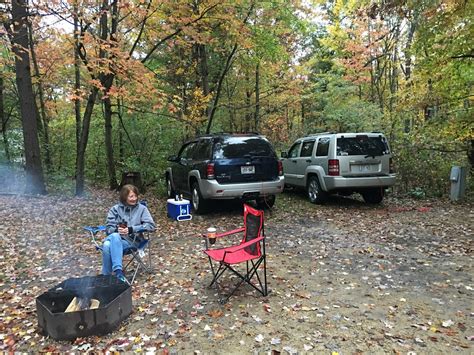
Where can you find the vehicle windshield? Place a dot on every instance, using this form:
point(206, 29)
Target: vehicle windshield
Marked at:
point(239, 147)
point(362, 145)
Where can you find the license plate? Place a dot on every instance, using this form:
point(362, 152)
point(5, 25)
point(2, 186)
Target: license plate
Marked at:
point(364, 168)
point(248, 169)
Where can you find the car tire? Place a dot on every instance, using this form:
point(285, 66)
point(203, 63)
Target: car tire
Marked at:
point(266, 202)
point(373, 196)
point(169, 188)
point(198, 202)
point(315, 192)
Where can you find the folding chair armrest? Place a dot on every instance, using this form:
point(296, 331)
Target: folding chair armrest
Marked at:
point(93, 232)
point(243, 245)
point(234, 231)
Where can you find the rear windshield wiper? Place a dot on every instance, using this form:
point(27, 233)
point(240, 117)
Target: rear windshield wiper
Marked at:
point(373, 155)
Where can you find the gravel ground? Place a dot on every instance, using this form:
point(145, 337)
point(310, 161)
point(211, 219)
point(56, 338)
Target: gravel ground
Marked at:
point(344, 277)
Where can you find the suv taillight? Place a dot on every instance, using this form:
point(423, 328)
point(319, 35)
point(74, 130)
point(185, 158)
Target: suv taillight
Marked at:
point(333, 167)
point(210, 171)
point(280, 168)
point(391, 166)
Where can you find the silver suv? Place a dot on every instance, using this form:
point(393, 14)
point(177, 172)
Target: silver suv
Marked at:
point(341, 163)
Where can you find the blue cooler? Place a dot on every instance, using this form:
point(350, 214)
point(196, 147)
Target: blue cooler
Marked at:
point(179, 210)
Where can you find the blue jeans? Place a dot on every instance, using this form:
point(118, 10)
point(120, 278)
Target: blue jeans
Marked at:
point(112, 253)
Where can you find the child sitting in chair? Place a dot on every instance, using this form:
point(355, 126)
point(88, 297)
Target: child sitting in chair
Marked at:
point(124, 221)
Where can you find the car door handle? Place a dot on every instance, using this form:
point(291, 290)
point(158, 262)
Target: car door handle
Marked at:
point(308, 160)
point(294, 161)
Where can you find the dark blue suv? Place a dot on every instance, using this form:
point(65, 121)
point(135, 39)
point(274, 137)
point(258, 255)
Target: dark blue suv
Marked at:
point(226, 166)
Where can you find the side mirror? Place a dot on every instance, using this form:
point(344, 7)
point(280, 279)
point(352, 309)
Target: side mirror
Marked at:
point(173, 158)
point(284, 154)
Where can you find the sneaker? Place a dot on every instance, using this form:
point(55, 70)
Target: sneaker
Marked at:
point(119, 275)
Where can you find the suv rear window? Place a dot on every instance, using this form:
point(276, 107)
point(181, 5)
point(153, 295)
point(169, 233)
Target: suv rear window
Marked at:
point(237, 147)
point(362, 145)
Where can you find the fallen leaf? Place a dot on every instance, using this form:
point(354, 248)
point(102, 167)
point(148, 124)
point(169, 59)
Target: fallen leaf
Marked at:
point(215, 313)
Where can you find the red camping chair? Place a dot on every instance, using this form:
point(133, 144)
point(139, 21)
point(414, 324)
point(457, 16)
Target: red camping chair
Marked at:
point(251, 251)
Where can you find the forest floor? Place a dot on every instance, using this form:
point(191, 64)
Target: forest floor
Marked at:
point(344, 277)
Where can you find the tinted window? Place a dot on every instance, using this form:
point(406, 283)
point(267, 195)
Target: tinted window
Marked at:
point(362, 145)
point(307, 149)
point(203, 150)
point(238, 147)
point(293, 153)
point(323, 147)
point(187, 151)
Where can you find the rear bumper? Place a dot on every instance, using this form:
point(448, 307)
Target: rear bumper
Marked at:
point(212, 189)
point(338, 182)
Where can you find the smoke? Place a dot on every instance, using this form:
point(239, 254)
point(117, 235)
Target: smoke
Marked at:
point(15, 181)
point(12, 180)
point(42, 239)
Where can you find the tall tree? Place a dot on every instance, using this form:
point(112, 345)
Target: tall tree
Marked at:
point(29, 115)
point(43, 124)
point(3, 119)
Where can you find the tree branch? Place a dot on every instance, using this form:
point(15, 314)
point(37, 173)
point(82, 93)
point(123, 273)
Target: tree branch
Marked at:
point(171, 35)
point(462, 56)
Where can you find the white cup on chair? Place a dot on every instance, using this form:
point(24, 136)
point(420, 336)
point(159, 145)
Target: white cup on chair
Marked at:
point(211, 235)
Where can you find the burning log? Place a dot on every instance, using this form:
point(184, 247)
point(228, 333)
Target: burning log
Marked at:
point(82, 304)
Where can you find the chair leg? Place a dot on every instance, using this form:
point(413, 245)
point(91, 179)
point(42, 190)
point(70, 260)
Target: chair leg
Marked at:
point(141, 262)
point(217, 274)
point(135, 273)
point(251, 272)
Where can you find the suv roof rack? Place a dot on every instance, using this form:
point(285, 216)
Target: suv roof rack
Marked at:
point(227, 133)
point(320, 133)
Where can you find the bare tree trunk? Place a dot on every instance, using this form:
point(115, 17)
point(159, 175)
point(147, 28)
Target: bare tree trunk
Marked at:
point(120, 132)
point(372, 78)
point(470, 154)
point(4, 120)
point(217, 95)
point(77, 79)
point(34, 169)
point(81, 153)
point(109, 147)
point(44, 123)
point(107, 81)
point(257, 97)
point(199, 59)
point(408, 65)
point(393, 73)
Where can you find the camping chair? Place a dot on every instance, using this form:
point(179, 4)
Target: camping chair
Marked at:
point(250, 251)
point(135, 255)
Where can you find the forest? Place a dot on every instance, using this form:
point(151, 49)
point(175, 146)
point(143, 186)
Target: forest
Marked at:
point(92, 89)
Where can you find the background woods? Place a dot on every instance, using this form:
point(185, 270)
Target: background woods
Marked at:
point(89, 89)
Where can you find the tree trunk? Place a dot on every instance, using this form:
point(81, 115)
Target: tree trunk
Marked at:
point(81, 153)
point(34, 170)
point(3, 121)
point(470, 154)
point(393, 73)
point(107, 81)
point(257, 97)
point(408, 65)
point(109, 147)
point(44, 123)
point(77, 80)
point(217, 95)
